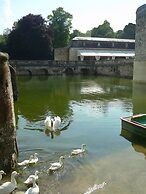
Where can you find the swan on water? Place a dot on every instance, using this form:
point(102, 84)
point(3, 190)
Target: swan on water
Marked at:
point(56, 165)
point(29, 179)
point(1, 174)
point(52, 123)
point(35, 188)
point(48, 122)
point(56, 123)
point(79, 150)
point(9, 187)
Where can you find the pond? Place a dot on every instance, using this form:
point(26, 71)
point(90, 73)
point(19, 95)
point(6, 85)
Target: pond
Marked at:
point(90, 109)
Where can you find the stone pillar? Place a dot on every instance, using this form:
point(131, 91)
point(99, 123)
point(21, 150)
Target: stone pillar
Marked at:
point(139, 72)
point(8, 144)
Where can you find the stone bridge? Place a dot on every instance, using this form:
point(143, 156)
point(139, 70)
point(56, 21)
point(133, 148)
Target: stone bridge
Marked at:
point(120, 68)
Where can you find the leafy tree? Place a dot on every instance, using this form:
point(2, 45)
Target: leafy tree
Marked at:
point(129, 31)
point(75, 33)
point(4, 40)
point(61, 23)
point(3, 43)
point(80, 34)
point(118, 34)
point(30, 38)
point(88, 33)
point(104, 31)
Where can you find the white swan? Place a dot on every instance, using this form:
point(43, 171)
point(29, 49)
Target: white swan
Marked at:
point(1, 174)
point(9, 187)
point(48, 122)
point(52, 123)
point(34, 189)
point(56, 123)
point(56, 165)
point(29, 179)
point(79, 150)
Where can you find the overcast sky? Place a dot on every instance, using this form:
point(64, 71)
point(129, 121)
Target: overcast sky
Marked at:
point(86, 13)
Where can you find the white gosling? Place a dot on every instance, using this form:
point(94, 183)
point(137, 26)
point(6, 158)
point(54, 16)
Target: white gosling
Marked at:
point(56, 165)
point(29, 179)
point(34, 159)
point(34, 189)
point(1, 174)
point(9, 187)
point(25, 162)
point(79, 150)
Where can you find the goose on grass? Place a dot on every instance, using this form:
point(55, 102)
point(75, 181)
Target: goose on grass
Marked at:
point(9, 187)
point(34, 189)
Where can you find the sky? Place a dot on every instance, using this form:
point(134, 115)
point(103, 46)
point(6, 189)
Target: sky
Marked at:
point(87, 14)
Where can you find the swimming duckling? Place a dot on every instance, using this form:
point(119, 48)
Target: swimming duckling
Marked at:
point(79, 150)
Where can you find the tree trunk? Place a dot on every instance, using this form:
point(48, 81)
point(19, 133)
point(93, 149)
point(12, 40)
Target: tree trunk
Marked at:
point(8, 144)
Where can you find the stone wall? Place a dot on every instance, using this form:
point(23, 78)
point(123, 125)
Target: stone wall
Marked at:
point(61, 54)
point(140, 45)
point(73, 54)
point(119, 68)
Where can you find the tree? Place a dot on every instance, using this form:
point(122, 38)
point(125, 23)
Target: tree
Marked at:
point(88, 33)
point(104, 31)
point(30, 38)
point(118, 34)
point(3, 43)
point(75, 33)
point(4, 40)
point(80, 34)
point(129, 31)
point(61, 23)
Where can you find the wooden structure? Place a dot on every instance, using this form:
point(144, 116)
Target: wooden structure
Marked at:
point(8, 144)
point(135, 124)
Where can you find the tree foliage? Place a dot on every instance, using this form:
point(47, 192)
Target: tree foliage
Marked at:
point(3, 43)
point(104, 30)
point(30, 38)
point(61, 23)
point(118, 34)
point(129, 31)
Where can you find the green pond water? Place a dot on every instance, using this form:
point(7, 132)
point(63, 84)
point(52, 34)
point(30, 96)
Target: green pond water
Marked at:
point(90, 109)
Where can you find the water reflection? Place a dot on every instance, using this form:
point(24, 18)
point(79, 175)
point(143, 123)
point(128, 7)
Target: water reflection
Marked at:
point(90, 108)
point(57, 132)
point(139, 98)
point(137, 142)
point(55, 94)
